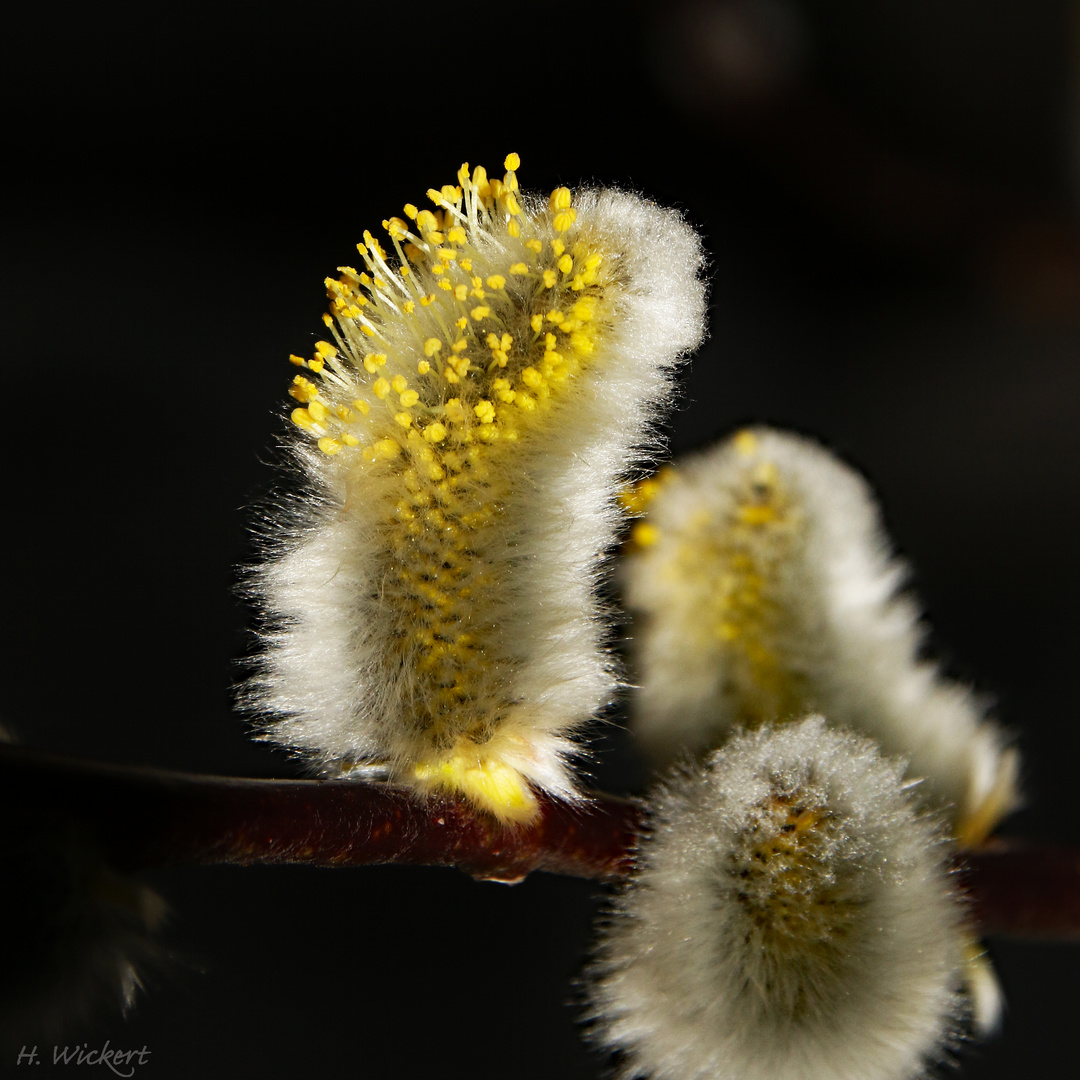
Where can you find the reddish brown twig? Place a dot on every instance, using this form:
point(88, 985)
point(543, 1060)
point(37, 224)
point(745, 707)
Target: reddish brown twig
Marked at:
point(145, 817)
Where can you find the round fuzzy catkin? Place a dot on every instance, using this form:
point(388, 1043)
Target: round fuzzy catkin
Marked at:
point(791, 915)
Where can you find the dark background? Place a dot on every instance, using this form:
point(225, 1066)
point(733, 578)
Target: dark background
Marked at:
point(887, 192)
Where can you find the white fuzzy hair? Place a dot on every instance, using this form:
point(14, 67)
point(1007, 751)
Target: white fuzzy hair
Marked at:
point(790, 916)
point(335, 680)
point(767, 590)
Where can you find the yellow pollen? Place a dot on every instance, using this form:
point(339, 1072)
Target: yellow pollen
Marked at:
point(560, 199)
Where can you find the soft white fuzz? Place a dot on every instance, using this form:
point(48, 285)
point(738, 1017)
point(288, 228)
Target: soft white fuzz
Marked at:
point(433, 603)
point(765, 589)
point(790, 916)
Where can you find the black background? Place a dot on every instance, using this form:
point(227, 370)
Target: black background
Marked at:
point(177, 181)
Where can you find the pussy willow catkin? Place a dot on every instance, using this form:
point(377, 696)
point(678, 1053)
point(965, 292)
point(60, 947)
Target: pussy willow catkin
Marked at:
point(790, 915)
point(765, 588)
point(491, 375)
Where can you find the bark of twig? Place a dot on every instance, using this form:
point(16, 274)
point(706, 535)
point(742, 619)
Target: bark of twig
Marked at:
point(140, 818)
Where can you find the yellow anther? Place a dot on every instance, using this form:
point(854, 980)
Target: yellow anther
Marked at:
point(560, 199)
point(745, 443)
point(400, 384)
point(403, 418)
point(564, 219)
point(531, 377)
point(410, 211)
point(535, 246)
point(409, 398)
point(496, 281)
point(396, 228)
point(410, 306)
point(435, 433)
point(514, 227)
point(511, 163)
point(381, 388)
point(461, 292)
point(480, 313)
point(432, 346)
point(325, 349)
point(361, 406)
point(460, 345)
point(582, 343)
point(537, 323)
point(386, 449)
point(318, 411)
point(457, 235)
point(425, 221)
point(565, 264)
point(485, 411)
point(299, 361)
point(754, 514)
point(461, 323)
point(550, 278)
point(482, 184)
point(423, 367)
point(518, 270)
point(349, 440)
point(644, 534)
point(445, 285)
point(302, 419)
point(555, 317)
point(584, 309)
point(329, 446)
point(303, 389)
point(513, 207)
point(454, 409)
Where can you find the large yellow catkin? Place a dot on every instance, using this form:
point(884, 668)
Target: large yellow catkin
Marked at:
point(465, 432)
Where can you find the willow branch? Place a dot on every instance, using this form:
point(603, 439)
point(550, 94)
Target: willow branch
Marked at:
point(140, 818)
